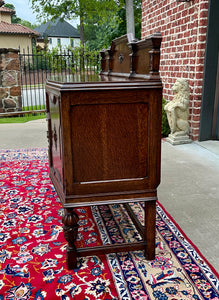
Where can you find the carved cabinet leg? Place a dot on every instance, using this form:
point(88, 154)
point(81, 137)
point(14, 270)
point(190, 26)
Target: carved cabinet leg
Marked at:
point(150, 229)
point(70, 227)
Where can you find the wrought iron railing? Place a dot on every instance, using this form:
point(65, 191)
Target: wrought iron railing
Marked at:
point(37, 67)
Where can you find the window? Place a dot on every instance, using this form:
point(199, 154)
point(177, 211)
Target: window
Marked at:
point(59, 42)
point(50, 40)
point(72, 43)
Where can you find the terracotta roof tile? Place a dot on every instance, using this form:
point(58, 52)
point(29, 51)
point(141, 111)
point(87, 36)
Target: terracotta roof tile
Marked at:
point(6, 28)
point(7, 10)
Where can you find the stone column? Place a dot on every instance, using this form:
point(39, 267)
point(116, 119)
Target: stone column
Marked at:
point(10, 83)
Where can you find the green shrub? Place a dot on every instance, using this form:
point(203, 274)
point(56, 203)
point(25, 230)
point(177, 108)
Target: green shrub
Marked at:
point(22, 119)
point(165, 125)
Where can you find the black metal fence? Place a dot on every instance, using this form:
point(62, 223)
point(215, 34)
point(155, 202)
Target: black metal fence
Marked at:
point(65, 65)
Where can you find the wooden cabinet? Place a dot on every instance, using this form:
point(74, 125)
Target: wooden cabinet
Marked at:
point(105, 139)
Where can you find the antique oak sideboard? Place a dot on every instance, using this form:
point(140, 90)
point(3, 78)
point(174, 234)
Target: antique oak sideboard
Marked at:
point(105, 140)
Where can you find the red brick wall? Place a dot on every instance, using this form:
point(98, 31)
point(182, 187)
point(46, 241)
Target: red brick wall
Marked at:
point(183, 26)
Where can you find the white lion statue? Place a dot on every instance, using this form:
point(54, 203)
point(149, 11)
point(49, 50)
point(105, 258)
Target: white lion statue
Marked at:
point(177, 110)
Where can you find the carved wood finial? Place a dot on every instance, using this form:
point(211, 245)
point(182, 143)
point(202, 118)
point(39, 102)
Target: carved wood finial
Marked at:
point(155, 54)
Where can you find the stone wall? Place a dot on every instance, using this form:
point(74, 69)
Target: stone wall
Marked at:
point(10, 83)
point(183, 26)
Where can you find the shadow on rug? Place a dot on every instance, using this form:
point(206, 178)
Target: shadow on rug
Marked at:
point(32, 245)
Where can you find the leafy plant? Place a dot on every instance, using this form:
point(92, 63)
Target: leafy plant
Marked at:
point(99, 35)
point(165, 125)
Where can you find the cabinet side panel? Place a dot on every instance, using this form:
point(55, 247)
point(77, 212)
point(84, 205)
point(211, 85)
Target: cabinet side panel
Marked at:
point(109, 142)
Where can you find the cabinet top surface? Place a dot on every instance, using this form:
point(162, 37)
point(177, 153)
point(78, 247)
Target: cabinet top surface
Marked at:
point(95, 81)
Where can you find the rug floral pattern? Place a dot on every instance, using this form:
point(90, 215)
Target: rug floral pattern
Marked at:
point(32, 246)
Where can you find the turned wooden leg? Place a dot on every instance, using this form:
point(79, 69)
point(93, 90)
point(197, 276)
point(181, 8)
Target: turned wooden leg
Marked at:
point(70, 227)
point(150, 229)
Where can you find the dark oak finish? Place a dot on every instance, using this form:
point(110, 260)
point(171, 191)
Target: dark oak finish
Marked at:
point(105, 139)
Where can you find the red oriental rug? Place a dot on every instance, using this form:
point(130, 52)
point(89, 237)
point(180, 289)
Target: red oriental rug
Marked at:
point(32, 246)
